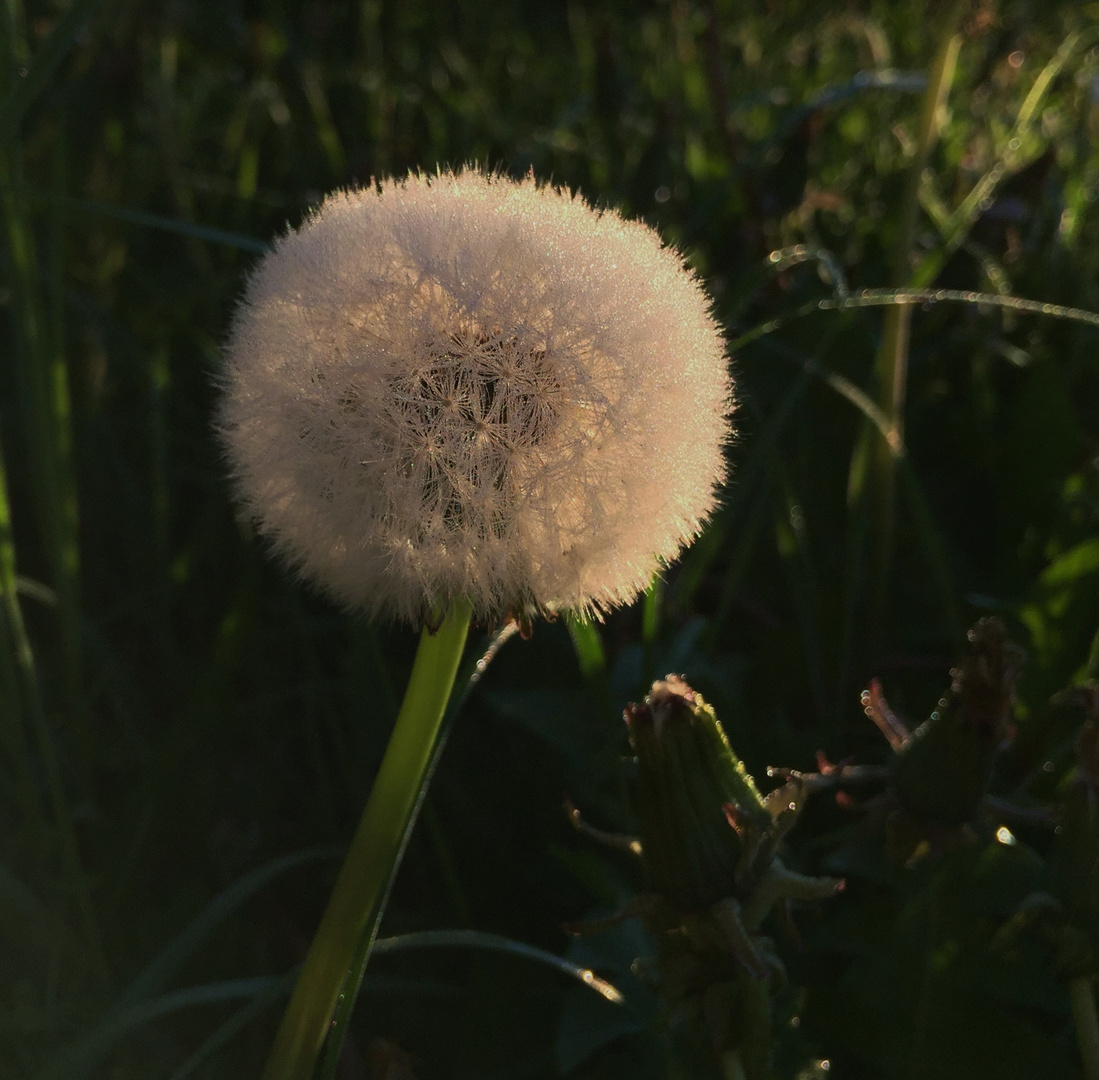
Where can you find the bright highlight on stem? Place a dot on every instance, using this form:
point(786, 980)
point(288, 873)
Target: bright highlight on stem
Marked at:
point(350, 922)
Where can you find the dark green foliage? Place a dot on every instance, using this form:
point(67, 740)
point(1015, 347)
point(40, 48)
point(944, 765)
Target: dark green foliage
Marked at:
point(177, 713)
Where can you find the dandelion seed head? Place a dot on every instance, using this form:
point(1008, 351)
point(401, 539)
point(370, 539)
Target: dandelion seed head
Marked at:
point(463, 385)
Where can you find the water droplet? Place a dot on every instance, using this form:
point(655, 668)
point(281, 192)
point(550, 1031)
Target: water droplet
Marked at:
point(1047, 766)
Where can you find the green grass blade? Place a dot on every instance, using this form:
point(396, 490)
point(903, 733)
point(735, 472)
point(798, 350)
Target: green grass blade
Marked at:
point(13, 656)
point(81, 1058)
point(477, 939)
point(237, 1022)
point(163, 223)
point(45, 62)
point(891, 361)
point(1013, 157)
point(868, 298)
point(27, 692)
point(588, 644)
point(652, 604)
point(171, 959)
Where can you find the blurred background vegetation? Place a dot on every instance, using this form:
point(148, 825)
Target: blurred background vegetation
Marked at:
point(187, 734)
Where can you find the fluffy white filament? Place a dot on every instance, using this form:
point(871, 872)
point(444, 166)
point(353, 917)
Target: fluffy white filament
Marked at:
point(462, 385)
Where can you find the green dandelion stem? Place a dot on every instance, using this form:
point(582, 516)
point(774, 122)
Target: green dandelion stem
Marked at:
point(354, 910)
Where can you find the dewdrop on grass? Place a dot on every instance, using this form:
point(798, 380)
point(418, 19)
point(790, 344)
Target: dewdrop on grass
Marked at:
point(463, 385)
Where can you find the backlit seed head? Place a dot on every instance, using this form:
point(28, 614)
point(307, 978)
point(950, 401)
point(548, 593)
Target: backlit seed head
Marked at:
point(463, 385)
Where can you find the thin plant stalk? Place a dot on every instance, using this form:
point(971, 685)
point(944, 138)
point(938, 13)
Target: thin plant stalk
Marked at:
point(359, 893)
point(40, 367)
point(28, 698)
point(891, 364)
point(1082, 995)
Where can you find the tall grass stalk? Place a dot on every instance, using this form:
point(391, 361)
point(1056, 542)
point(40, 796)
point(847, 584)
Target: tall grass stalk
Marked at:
point(43, 420)
point(14, 655)
point(41, 371)
point(29, 708)
point(891, 363)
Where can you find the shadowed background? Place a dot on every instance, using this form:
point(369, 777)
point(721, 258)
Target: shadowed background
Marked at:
point(187, 735)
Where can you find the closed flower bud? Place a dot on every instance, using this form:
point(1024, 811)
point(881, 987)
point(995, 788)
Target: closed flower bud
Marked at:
point(698, 809)
point(464, 386)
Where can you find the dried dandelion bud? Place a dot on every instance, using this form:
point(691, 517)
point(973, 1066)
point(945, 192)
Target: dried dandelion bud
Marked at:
point(460, 385)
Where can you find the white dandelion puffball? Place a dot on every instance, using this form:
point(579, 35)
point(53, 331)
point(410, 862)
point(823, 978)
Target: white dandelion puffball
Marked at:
point(463, 385)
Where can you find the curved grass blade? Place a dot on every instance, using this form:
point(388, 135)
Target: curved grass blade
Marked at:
point(477, 939)
point(263, 1000)
point(163, 223)
point(167, 963)
point(868, 298)
point(886, 297)
point(78, 1060)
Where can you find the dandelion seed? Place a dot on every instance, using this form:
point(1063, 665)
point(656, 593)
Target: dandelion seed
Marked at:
point(461, 385)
